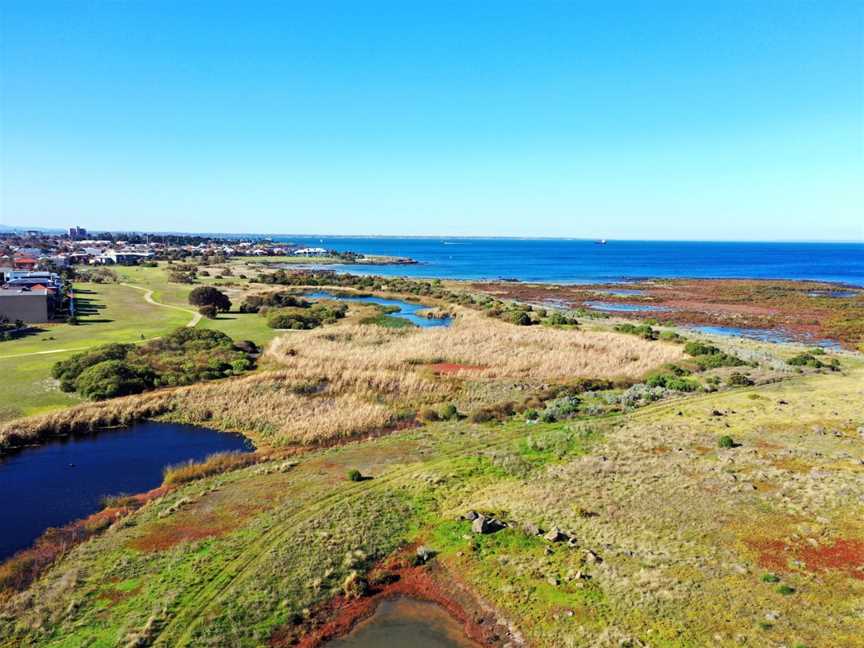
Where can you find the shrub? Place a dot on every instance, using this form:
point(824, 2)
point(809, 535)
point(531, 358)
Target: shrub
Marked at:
point(210, 296)
point(355, 475)
point(805, 360)
point(785, 590)
point(697, 348)
point(738, 379)
point(770, 578)
point(449, 412)
point(642, 330)
point(717, 360)
point(428, 415)
point(113, 378)
point(671, 336)
point(726, 441)
point(67, 371)
point(559, 319)
point(672, 382)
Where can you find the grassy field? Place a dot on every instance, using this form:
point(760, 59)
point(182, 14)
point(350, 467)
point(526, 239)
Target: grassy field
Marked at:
point(671, 538)
point(108, 313)
point(674, 537)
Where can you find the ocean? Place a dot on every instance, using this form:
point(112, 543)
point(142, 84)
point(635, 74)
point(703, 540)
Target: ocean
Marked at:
point(578, 261)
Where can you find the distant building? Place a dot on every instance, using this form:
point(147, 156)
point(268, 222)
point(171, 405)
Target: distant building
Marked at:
point(316, 251)
point(122, 257)
point(26, 304)
point(77, 233)
point(24, 263)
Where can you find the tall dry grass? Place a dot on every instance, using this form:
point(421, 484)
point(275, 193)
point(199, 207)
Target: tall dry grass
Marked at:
point(502, 350)
point(349, 379)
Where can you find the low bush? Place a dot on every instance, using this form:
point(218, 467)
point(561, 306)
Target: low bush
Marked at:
point(738, 379)
point(642, 330)
point(497, 412)
point(809, 360)
point(428, 415)
point(698, 348)
point(449, 412)
point(717, 360)
point(726, 441)
point(113, 378)
point(355, 475)
point(672, 382)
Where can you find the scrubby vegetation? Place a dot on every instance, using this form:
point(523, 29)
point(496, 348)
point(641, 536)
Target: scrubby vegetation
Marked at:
point(215, 464)
point(310, 316)
point(208, 296)
point(184, 357)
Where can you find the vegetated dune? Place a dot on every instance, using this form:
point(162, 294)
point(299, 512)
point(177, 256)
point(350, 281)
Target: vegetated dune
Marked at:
point(348, 380)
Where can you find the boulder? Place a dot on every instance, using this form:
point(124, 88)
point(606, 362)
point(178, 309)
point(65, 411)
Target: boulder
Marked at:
point(484, 525)
point(555, 535)
point(531, 529)
point(472, 515)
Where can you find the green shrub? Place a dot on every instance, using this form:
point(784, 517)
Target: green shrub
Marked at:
point(785, 590)
point(292, 318)
point(717, 360)
point(738, 379)
point(354, 475)
point(642, 330)
point(113, 378)
point(770, 578)
point(673, 382)
point(697, 348)
point(449, 412)
point(726, 441)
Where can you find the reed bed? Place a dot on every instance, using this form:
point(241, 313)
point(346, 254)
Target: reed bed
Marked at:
point(493, 349)
point(349, 380)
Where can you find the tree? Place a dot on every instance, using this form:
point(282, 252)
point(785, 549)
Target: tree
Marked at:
point(210, 296)
point(208, 311)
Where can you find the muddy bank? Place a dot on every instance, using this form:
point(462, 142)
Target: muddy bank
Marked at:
point(398, 577)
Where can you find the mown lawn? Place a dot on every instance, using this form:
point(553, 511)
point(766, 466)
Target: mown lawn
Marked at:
point(108, 313)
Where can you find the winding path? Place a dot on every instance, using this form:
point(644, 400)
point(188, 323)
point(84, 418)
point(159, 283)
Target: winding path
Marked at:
point(148, 297)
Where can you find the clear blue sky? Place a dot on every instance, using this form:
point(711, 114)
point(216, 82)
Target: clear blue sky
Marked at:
point(697, 120)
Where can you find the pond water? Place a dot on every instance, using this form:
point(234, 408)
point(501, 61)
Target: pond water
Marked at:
point(624, 308)
point(407, 310)
point(406, 623)
point(62, 481)
point(622, 292)
point(834, 293)
point(765, 335)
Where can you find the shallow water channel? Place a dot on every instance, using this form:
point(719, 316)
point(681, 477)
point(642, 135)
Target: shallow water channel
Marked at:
point(62, 481)
point(406, 623)
point(407, 310)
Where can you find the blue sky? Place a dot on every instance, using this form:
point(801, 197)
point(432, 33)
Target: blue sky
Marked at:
point(692, 120)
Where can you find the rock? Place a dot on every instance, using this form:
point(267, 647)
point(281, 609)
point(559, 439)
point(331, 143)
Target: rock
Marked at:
point(555, 535)
point(531, 529)
point(424, 554)
point(472, 515)
point(591, 557)
point(484, 525)
point(553, 581)
point(572, 542)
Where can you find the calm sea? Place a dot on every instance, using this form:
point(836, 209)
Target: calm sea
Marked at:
point(573, 261)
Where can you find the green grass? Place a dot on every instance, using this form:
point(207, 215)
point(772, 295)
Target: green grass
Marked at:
point(109, 313)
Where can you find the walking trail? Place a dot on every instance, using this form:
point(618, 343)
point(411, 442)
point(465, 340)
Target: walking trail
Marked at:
point(148, 297)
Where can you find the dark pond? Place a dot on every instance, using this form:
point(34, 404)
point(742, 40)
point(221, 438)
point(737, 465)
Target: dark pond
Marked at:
point(62, 481)
point(765, 335)
point(407, 310)
point(406, 623)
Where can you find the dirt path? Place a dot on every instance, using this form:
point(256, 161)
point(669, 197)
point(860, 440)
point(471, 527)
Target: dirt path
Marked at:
point(148, 297)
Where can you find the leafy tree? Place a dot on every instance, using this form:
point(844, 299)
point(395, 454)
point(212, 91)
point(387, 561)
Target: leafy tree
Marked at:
point(210, 296)
point(208, 310)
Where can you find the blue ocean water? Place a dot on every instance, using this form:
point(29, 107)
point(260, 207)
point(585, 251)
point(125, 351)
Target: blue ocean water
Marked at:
point(407, 310)
point(576, 261)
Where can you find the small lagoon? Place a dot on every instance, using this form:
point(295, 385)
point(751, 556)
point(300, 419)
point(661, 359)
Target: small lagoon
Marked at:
point(65, 480)
point(764, 335)
point(407, 310)
point(406, 623)
point(624, 308)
